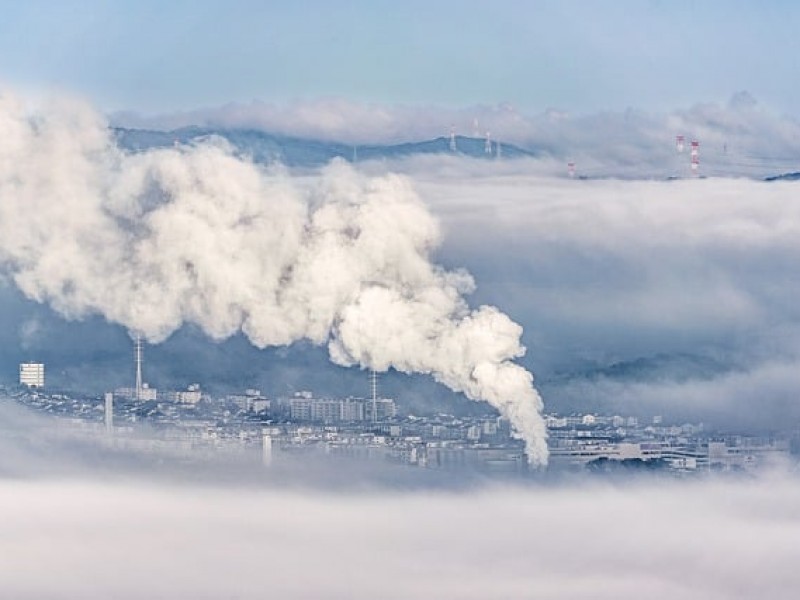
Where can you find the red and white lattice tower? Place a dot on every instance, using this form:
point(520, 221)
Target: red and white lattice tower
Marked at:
point(679, 145)
point(695, 153)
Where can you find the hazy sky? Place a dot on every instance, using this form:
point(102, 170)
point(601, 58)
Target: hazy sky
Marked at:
point(581, 56)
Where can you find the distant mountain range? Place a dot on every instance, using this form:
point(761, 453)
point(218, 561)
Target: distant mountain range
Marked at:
point(299, 152)
point(678, 367)
point(265, 147)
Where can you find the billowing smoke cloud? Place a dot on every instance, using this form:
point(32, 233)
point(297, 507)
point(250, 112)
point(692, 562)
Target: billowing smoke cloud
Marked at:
point(196, 235)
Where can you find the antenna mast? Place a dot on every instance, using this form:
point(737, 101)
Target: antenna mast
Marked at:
point(374, 382)
point(137, 352)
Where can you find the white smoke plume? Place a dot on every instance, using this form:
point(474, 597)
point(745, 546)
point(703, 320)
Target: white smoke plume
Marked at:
point(197, 235)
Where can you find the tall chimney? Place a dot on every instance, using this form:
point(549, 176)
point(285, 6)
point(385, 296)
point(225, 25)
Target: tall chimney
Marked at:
point(137, 351)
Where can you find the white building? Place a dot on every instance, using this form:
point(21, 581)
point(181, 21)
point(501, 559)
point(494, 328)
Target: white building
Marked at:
point(384, 408)
point(32, 375)
point(258, 406)
point(146, 393)
point(303, 407)
point(191, 395)
point(300, 408)
point(326, 411)
point(352, 410)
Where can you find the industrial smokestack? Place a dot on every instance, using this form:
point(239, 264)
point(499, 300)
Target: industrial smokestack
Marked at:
point(374, 384)
point(138, 355)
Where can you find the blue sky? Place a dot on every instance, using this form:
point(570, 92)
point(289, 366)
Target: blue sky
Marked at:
point(580, 56)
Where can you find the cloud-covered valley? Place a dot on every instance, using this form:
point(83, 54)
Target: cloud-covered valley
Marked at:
point(684, 288)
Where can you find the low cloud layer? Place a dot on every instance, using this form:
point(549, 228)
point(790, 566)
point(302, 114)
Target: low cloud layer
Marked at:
point(708, 540)
point(737, 137)
point(664, 281)
point(83, 521)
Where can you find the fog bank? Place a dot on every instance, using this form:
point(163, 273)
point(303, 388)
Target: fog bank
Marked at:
point(716, 539)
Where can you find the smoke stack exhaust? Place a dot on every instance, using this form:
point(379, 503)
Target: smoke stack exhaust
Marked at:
point(194, 234)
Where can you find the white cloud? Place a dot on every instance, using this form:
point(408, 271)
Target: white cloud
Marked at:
point(708, 540)
point(736, 138)
point(609, 271)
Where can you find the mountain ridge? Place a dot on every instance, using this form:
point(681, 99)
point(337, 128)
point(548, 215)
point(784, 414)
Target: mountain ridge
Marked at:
point(308, 152)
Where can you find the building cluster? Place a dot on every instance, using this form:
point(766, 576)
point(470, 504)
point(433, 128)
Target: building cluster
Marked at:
point(612, 442)
point(31, 375)
point(194, 425)
point(249, 425)
point(304, 407)
point(144, 393)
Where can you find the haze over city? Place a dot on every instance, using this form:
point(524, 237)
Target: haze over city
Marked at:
point(460, 300)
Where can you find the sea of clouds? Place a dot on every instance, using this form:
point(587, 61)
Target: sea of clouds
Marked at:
point(100, 539)
point(601, 274)
point(690, 273)
point(81, 521)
